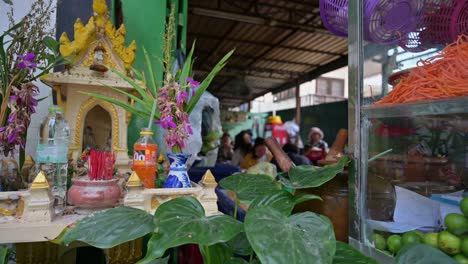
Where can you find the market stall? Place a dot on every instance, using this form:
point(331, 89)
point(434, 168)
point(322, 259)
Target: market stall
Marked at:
point(408, 119)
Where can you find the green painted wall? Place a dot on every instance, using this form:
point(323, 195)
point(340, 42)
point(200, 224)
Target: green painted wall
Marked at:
point(329, 117)
point(145, 22)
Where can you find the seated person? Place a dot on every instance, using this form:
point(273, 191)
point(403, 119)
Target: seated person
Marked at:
point(293, 153)
point(259, 153)
point(242, 145)
point(225, 150)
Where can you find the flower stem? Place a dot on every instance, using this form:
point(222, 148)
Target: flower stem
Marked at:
point(6, 99)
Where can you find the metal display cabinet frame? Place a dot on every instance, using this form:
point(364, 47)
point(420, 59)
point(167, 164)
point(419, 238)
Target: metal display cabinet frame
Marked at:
point(360, 114)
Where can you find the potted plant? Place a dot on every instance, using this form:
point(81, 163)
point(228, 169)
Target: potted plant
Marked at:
point(27, 52)
point(270, 234)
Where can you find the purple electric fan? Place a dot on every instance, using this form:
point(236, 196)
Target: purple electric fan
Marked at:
point(441, 23)
point(385, 21)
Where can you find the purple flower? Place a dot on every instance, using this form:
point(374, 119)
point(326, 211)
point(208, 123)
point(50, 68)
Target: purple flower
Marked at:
point(171, 139)
point(181, 97)
point(11, 117)
point(12, 136)
point(187, 127)
point(192, 84)
point(26, 61)
point(166, 122)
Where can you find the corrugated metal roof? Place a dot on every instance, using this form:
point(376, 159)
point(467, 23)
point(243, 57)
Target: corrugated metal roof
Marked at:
point(277, 43)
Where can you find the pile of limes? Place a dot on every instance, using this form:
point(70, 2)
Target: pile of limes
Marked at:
point(453, 241)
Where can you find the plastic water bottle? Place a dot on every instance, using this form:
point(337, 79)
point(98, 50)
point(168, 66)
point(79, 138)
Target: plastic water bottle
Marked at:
point(52, 154)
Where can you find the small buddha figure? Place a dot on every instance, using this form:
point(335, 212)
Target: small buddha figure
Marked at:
point(88, 139)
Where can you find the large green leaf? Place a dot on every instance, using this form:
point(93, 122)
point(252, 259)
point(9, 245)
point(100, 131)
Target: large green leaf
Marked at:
point(3, 255)
point(281, 200)
point(304, 197)
point(241, 245)
point(346, 254)
point(214, 254)
point(250, 186)
point(236, 261)
point(300, 238)
point(306, 176)
point(182, 221)
point(422, 254)
point(109, 228)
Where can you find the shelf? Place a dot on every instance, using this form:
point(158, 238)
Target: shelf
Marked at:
point(456, 105)
point(17, 231)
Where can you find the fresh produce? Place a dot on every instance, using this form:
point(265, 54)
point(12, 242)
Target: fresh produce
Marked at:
point(460, 259)
point(394, 243)
point(464, 206)
point(431, 239)
point(449, 243)
point(379, 241)
point(411, 237)
point(419, 233)
point(453, 241)
point(440, 76)
point(464, 246)
point(456, 223)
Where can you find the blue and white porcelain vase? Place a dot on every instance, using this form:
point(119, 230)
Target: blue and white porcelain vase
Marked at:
point(177, 177)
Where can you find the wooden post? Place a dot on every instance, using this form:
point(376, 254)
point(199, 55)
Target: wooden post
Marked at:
point(298, 111)
point(298, 103)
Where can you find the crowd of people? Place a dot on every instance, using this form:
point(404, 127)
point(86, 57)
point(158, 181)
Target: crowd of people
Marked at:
point(244, 152)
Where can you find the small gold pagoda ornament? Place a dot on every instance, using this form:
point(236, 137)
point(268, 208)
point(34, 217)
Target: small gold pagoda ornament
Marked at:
point(40, 182)
point(134, 180)
point(98, 63)
point(208, 179)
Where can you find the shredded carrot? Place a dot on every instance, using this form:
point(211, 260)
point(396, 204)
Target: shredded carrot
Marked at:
point(444, 75)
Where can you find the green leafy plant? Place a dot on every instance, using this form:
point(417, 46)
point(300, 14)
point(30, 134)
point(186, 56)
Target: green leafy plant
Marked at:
point(175, 98)
point(27, 52)
point(269, 234)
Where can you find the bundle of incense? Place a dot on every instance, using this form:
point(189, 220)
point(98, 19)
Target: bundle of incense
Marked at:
point(101, 165)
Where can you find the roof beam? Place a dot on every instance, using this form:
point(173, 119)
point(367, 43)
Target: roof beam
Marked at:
point(265, 59)
point(208, 36)
point(248, 70)
point(233, 73)
point(255, 19)
point(336, 64)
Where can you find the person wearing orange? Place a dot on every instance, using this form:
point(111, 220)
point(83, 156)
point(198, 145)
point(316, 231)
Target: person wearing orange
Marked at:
point(259, 153)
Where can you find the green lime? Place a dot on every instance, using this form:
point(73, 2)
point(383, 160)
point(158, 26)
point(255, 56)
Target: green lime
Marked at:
point(460, 259)
point(430, 239)
point(464, 206)
point(464, 246)
point(410, 238)
point(449, 243)
point(420, 233)
point(394, 243)
point(379, 241)
point(456, 223)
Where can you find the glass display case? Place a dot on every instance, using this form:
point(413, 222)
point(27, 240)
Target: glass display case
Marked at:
point(408, 119)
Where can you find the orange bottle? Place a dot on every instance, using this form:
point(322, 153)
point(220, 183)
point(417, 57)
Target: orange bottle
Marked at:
point(145, 158)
